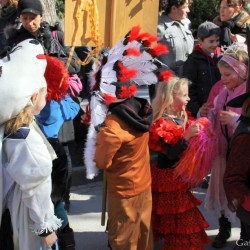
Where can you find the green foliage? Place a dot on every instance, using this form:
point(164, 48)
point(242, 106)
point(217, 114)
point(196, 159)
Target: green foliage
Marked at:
point(60, 8)
point(201, 11)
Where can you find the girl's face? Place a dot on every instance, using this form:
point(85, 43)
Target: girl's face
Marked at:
point(229, 77)
point(227, 12)
point(180, 12)
point(39, 101)
point(209, 44)
point(31, 22)
point(181, 99)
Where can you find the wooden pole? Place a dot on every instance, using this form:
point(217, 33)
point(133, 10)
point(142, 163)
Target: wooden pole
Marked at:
point(104, 198)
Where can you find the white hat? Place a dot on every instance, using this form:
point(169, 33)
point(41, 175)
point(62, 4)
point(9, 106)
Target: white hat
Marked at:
point(21, 75)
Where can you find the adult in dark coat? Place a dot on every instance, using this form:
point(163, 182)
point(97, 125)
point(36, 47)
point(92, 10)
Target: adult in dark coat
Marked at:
point(233, 20)
point(8, 16)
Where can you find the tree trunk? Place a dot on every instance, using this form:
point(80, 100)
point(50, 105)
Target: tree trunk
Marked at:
point(49, 11)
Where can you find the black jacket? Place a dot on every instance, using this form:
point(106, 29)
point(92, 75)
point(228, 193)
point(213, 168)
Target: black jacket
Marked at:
point(8, 16)
point(203, 73)
point(51, 46)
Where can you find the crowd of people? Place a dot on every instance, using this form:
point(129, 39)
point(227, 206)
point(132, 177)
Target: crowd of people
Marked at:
point(199, 105)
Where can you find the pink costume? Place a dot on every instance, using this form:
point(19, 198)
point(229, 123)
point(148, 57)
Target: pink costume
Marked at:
point(215, 90)
point(216, 200)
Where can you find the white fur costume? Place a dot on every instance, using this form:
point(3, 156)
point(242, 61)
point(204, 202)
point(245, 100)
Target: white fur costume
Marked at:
point(25, 163)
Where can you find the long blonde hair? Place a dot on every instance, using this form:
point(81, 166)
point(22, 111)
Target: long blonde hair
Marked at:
point(24, 117)
point(13, 2)
point(165, 96)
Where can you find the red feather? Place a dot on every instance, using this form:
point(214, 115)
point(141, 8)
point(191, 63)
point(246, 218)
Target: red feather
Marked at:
point(109, 98)
point(54, 73)
point(127, 91)
point(165, 75)
point(126, 73)
point(134, 33)
point(158, 50)
point(132, 52)
point(147, 38)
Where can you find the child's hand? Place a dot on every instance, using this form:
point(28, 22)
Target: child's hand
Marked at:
point(226, 117)
point(192, 131)
point(204, 109)
point(237, 38)
point(50, 240)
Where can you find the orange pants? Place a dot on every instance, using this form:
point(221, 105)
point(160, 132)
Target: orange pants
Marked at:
point(129, 222)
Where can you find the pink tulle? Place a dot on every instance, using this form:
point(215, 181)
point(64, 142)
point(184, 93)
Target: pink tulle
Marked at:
point(196, 161)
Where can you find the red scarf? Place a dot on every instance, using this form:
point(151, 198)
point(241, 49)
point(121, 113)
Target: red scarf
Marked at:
point(217, 51)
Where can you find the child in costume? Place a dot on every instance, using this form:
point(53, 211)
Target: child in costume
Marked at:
point(26, 165)
point(233, 69)
point(201, 66)
point(59, 108)
point(236, 177)
point(178, 141)
point(124, 139)
point(120, 146)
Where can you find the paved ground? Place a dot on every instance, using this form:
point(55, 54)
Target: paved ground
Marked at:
point(85, 218)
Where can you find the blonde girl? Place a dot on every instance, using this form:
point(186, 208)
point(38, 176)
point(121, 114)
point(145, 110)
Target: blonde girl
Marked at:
point(175, 216)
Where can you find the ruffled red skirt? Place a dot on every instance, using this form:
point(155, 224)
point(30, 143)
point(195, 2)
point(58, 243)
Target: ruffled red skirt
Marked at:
point(175, 216)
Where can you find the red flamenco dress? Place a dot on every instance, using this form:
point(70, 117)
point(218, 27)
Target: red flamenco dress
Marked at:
point(175, 216)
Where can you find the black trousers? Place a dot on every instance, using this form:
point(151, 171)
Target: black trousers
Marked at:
point(6, 233)
point(60, 173)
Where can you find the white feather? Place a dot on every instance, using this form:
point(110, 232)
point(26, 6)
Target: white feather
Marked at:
point(108, 89)
point(145, 79)
point(98, 109)
point(89, 153)
point(108, 75)
point(137, 61)
point(92, 75)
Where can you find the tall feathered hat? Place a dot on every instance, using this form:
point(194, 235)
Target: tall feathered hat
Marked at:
point(132, 62)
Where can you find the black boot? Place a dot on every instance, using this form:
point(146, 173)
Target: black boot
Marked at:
point(224, 233)
point(243, 239)
point(66, 239)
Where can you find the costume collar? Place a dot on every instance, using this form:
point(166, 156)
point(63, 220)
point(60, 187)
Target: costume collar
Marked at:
point(134, 111)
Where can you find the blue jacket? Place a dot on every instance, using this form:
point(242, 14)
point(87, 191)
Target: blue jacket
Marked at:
point(54, 114)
